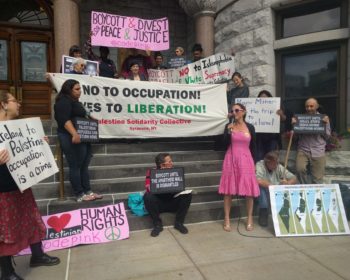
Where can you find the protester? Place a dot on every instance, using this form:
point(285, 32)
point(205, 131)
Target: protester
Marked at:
point(78, 154)
point(238, 170)
point(20, 221)
point(266, 142)
point(270, 172)
point(107, 67)
point(144, 61)
point(78, 66)
point(179, 60)
point(311, 149)
point(135, 74)
point(159, 203)
point(197, 52)
point(75, 51)
point(158, 57)
point(240, 89)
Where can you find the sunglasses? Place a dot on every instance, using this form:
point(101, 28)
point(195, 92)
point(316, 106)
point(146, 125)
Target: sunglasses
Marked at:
point(237, 110)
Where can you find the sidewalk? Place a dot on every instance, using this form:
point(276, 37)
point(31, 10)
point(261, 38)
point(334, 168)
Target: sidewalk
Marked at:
point(207, 252)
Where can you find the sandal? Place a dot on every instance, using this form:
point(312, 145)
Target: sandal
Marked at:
point(249, 227)
point(227, 226)
point(95, 195)
point(85, 197)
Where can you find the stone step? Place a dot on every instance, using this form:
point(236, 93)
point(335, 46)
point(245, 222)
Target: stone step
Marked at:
point(123, 185)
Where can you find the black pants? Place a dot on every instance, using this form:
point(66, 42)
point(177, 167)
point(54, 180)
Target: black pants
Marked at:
point(156, 204)
point(6, 263)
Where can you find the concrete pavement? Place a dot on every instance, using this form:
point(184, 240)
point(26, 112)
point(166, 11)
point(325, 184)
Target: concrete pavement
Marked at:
point(207, 252)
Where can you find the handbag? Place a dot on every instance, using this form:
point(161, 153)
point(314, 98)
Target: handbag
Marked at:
point(136, 204)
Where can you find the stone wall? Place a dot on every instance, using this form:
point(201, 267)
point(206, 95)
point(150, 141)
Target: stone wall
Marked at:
point(246, 28)
point(143, 9)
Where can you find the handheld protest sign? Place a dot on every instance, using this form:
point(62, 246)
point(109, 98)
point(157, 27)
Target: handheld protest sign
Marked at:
point(309, 124)
point(170, 180)
point(87, 129)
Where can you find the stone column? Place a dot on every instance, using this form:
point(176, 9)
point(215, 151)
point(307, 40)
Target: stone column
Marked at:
point(203, 12)
point(66, 27)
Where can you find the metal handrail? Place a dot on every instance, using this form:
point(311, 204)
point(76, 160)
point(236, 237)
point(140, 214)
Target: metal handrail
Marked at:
point(59, 160)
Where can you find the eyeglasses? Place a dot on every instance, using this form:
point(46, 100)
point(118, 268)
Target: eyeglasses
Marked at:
point(237, 110)
point(12, 100)
point(177, 51)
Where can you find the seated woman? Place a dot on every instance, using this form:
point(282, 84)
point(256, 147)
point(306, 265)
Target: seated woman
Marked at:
point(135, 74)
point(159, 203)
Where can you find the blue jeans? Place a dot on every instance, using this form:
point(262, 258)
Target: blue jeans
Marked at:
point(264, 198)
point(78, 157)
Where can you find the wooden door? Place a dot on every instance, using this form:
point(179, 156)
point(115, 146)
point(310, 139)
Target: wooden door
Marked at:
point(25, 57)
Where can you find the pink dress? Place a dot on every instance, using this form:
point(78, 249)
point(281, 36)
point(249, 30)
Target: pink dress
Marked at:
point(238, 169)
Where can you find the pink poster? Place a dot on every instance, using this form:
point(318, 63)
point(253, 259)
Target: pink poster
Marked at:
point(84, 226)
point(129, 32)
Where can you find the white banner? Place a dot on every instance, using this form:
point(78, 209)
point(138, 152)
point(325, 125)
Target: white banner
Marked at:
point(210, 70)
point(304, 210)
point(135, 109)
point(31, 157)
point(262, 113)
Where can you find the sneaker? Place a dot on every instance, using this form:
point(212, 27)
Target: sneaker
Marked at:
point(263, 217)
point(181, 228)
point(12, 276)
point(156, 230)
point(43, 260)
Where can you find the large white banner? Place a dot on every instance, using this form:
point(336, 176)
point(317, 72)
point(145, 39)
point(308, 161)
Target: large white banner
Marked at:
point(31, 157)
point(135, 109)
point(213, 69)
point(304, 210)
point(262, 113)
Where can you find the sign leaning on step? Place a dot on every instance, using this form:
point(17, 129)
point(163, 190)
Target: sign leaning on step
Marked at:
point(31, 159)
point(308, 210)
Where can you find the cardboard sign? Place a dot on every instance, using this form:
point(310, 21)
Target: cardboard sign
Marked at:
point(31, 159)
point(309, 124)
point(213, 69)
point(262, 113)
point(176, 62)
point(170, 180)
point(136, 109)
point(91, 67)
point(87, 129)
point(305, 210)
point(84, 226)
point(129, 32)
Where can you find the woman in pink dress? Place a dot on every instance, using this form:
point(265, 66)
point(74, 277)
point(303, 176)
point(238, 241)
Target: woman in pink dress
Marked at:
point(238, 170)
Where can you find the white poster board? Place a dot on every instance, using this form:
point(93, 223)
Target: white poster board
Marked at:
point(31, 159)
point(306, 210)
point(262, 113)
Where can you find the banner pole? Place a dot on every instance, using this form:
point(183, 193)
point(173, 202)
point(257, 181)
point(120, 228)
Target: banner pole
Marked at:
point(287, 154)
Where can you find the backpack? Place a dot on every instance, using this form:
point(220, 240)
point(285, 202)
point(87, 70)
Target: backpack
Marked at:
point(136, 204)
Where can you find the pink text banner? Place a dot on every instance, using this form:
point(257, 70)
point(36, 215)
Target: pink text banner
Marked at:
point(84, 226)
point(129, 32)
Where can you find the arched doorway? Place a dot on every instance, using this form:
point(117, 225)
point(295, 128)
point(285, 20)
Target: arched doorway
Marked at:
point(26, 54)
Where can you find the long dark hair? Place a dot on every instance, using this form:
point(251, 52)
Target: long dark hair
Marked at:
point(66, 89)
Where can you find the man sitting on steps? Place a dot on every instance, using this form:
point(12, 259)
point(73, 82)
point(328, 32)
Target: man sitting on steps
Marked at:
point(159, 203)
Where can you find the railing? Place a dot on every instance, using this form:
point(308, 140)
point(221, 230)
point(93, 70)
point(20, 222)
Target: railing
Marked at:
point(59, 160)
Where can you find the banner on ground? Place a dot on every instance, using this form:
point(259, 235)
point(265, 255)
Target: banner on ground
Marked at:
point(31, 159)
point(129, 32)
point(84, 226)
point(305, 210)
point(91, 67)
point(135, 109)
point(262, 113)
point(213, 69)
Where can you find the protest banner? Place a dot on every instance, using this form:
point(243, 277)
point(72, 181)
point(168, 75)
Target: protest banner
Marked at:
point(309, 124)
point(91, 67)
point(170, 180)
point(31, 159)
point(136, 109)
point(305, 210)
point(213, 69)
point(84, 226)
point(129, 32)
point(262, 113)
